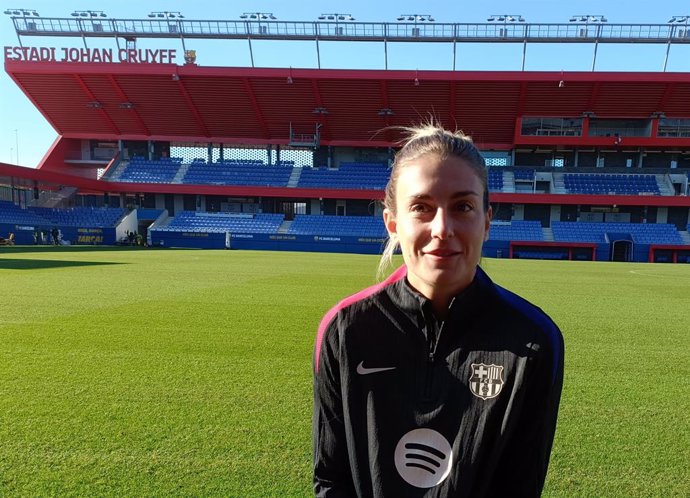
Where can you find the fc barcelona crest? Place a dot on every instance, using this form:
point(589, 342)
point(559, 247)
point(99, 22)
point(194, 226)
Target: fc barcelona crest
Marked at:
point(486, 381)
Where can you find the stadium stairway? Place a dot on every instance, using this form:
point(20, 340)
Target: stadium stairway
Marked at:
point(508, 182)
point(162, 221)
point(294, 177)
point(548, 234)
point(284, 227)
point(180, 173)
point(665, 185)
point(685, 236)
point(558, 186)
point(49, 199)
point(114, 174)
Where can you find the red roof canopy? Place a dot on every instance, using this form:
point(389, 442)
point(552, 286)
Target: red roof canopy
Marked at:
point(257, 105)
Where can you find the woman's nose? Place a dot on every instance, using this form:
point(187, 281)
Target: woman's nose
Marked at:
point(441, 225)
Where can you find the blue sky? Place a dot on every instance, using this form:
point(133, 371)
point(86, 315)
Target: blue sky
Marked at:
point(23, 128)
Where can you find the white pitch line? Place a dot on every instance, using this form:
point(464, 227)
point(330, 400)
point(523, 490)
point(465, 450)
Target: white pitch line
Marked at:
point(637, 272)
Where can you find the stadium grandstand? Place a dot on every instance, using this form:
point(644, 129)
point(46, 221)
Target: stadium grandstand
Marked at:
point(582, 165)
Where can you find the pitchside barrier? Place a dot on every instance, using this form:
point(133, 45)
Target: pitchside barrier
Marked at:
point(653, 253)
point(271, 242)
point(669, 254)
point(546, 250)
point(587, 251)
point(374, 245)
point(580, 251)
point(24, 234)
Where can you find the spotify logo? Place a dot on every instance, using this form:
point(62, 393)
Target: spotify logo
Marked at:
point(423, 458)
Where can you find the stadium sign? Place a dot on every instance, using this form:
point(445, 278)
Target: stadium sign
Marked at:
point(107, 55)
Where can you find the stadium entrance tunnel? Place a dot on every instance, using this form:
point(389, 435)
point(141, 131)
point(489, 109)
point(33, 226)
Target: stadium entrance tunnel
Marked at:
point(621, 247)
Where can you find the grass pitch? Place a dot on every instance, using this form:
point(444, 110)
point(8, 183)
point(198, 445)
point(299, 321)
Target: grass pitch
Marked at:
point(128, 372)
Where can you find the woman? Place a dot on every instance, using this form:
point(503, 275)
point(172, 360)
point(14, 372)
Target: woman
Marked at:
point(435, 382)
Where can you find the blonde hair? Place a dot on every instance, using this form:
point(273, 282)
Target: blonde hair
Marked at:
point(429, 138)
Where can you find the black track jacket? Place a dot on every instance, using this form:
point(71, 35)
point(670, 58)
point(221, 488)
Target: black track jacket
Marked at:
point(408, 407)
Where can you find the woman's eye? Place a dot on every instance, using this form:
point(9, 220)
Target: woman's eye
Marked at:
point(464, 207)
point(419, 208)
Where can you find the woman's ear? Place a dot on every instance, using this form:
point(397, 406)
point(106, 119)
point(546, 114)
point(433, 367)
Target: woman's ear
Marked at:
point(487, 221)
point(390, 222)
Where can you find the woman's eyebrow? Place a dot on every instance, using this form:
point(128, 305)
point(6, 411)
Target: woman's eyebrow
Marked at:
point(460, 193)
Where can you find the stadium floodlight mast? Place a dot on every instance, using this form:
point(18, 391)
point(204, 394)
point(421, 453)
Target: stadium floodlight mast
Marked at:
point(22, 12)
point(416, 18)
point(682, 34)
point(680, 19)
point(258, 16)
point(336, 17)
point(89, 13)
point(584, 32)
point(503, 32)
point(588, 18)
point(167, 15)
point(505, 18)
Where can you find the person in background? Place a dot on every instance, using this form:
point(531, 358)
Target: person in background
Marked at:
point(435, 382)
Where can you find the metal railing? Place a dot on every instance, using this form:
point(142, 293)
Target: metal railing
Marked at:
point(354, 31)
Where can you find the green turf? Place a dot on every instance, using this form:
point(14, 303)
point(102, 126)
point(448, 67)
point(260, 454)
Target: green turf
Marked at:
point(128, 372)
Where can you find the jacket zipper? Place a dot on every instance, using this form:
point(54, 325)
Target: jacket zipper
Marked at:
point(432, 345)
point(433, 336)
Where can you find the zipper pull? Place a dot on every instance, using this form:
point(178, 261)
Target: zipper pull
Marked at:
point(434, 345)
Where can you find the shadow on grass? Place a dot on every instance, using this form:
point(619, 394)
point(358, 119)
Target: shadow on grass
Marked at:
point(40, 264)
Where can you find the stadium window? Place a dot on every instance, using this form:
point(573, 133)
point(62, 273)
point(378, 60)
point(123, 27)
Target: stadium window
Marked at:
point(530, 126)
point(674, 128)
point(619, 127)
point(549, 127)
point(496, 161)
point(300, 208)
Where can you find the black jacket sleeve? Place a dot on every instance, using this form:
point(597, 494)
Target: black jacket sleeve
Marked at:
point(332, 476)
point(525, 459)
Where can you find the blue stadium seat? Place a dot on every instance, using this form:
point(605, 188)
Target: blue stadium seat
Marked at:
point(140, 170)
point(239, 172)
point(516, 231)
point(82, 216)
point(354, 226)
point(190, 221)
point(611, 184)
point(370, 176)
point(641, 233)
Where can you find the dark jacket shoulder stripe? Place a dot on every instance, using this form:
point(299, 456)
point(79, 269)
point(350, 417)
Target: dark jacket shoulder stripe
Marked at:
point(349, 301)
point(541, 319)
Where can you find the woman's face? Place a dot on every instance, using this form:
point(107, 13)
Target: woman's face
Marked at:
point(440, 222)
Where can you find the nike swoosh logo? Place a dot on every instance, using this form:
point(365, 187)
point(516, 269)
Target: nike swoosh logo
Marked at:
point(362, 370)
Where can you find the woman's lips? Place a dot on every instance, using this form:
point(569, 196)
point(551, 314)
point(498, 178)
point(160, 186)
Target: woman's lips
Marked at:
point(442, 253)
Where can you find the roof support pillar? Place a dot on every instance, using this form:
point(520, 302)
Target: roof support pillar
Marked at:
point(251, 53)
point(668, 48)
